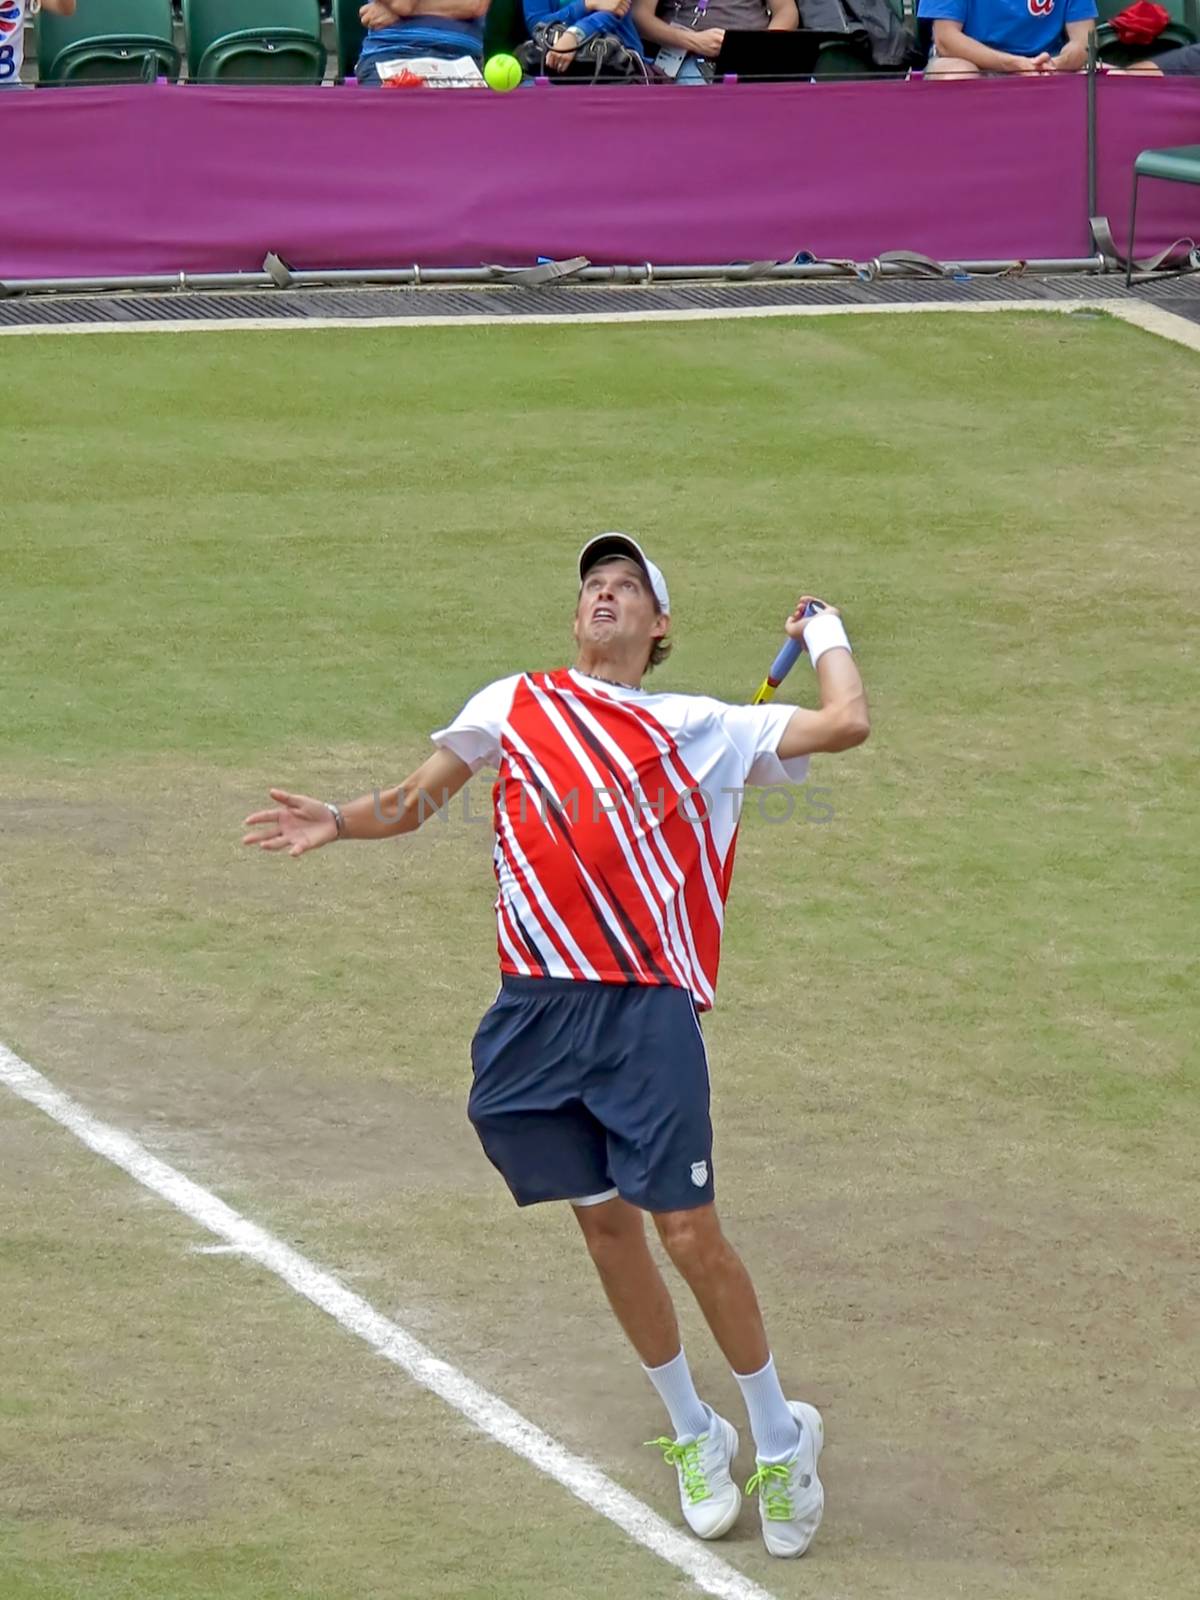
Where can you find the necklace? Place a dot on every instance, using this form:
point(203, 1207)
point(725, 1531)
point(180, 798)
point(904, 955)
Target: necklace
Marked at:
point(614, 683)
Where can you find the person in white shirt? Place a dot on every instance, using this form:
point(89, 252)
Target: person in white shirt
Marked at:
point(12, 35)
point(614, 845)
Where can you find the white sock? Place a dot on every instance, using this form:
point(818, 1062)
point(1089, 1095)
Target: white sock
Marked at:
point(690, 1417)
point(776, 1431)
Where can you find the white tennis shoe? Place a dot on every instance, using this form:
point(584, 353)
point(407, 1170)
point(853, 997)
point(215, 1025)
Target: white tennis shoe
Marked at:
point(707, 1493)
point(791, 1500)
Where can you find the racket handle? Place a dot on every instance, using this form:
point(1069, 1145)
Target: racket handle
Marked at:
point(785, 661)
point(791, 651)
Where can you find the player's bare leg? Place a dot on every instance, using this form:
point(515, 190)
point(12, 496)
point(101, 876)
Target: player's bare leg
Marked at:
point(705, 1443)
point(788, 1435)
point(615, 1233)
point(717, 1276)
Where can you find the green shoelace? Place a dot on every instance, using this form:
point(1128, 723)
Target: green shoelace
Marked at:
point(686, 1459)
point(772, 1483)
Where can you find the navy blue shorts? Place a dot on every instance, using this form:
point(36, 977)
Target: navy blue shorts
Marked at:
point(585, 1088)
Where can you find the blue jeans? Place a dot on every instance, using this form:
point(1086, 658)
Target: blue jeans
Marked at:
point(367, 72)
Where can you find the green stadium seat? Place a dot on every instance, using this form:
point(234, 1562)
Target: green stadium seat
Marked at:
point(254, 41)
point(1180, 164)
point(108, 41)
point(1113, 50)
point(838, 60)
point(348, 31)
point(504, 28)
point(1183, 13)
point(1183, 28)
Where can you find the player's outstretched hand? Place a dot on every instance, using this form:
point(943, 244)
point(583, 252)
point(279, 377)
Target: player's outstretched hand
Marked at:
point(296, 824)
point(795, 625)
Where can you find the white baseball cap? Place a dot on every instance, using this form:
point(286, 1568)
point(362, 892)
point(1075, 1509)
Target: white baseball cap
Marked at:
point(620, 544)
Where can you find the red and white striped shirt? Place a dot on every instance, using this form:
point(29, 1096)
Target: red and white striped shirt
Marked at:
point(616, 815)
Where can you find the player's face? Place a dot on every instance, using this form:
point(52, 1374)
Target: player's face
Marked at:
point(616, 606)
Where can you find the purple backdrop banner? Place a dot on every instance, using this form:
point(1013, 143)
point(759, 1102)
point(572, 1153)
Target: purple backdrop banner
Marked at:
point(1135, 115)
point(122, 181)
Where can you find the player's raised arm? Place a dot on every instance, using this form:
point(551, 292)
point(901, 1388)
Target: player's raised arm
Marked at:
point(843, 719)
point(297, 823)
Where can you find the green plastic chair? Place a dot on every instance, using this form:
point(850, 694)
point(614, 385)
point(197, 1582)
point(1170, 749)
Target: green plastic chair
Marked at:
point(254, 41)
point(504, 28)
point(349, 34)
point(838, 60)
point(1180, 164)
point(108, 41)
point(1183, 28)
point(1113, 50)
point(1186, 13)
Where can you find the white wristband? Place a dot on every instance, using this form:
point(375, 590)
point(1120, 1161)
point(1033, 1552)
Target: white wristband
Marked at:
point(824, 632)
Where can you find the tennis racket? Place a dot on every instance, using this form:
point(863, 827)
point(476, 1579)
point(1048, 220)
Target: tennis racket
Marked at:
point(783, 663)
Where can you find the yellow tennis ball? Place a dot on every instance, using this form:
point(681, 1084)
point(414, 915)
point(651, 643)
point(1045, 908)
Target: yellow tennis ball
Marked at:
point(503, 73)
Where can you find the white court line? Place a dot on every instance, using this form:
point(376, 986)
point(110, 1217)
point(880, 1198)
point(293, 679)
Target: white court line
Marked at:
point(1149, 318)
point(1154, 319)
point(485, 1410)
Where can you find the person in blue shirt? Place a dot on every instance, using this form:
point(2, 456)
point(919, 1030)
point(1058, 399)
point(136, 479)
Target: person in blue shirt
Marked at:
point(579, 20)
point(973, 38)
point(400, 29)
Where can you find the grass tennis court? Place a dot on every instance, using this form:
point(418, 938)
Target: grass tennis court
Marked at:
point(956, 1093)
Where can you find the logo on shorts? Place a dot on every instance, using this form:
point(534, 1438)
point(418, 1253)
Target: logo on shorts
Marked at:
point(12, 17)
point(699, 1173)
point(1040, 8)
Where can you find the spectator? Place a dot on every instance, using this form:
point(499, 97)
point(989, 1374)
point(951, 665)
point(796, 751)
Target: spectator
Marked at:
point(698, 28)
point(1181, 63)
point(12, 36)
point(990, 38)
point(397, 30)
point(579, 20)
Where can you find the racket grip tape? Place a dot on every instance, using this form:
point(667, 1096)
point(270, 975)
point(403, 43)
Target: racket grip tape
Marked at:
point(791, 652)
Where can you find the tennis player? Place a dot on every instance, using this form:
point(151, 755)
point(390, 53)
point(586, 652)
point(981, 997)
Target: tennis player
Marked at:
point(615, 814)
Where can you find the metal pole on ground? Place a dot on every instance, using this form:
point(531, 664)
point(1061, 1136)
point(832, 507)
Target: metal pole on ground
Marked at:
point(480, 277)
